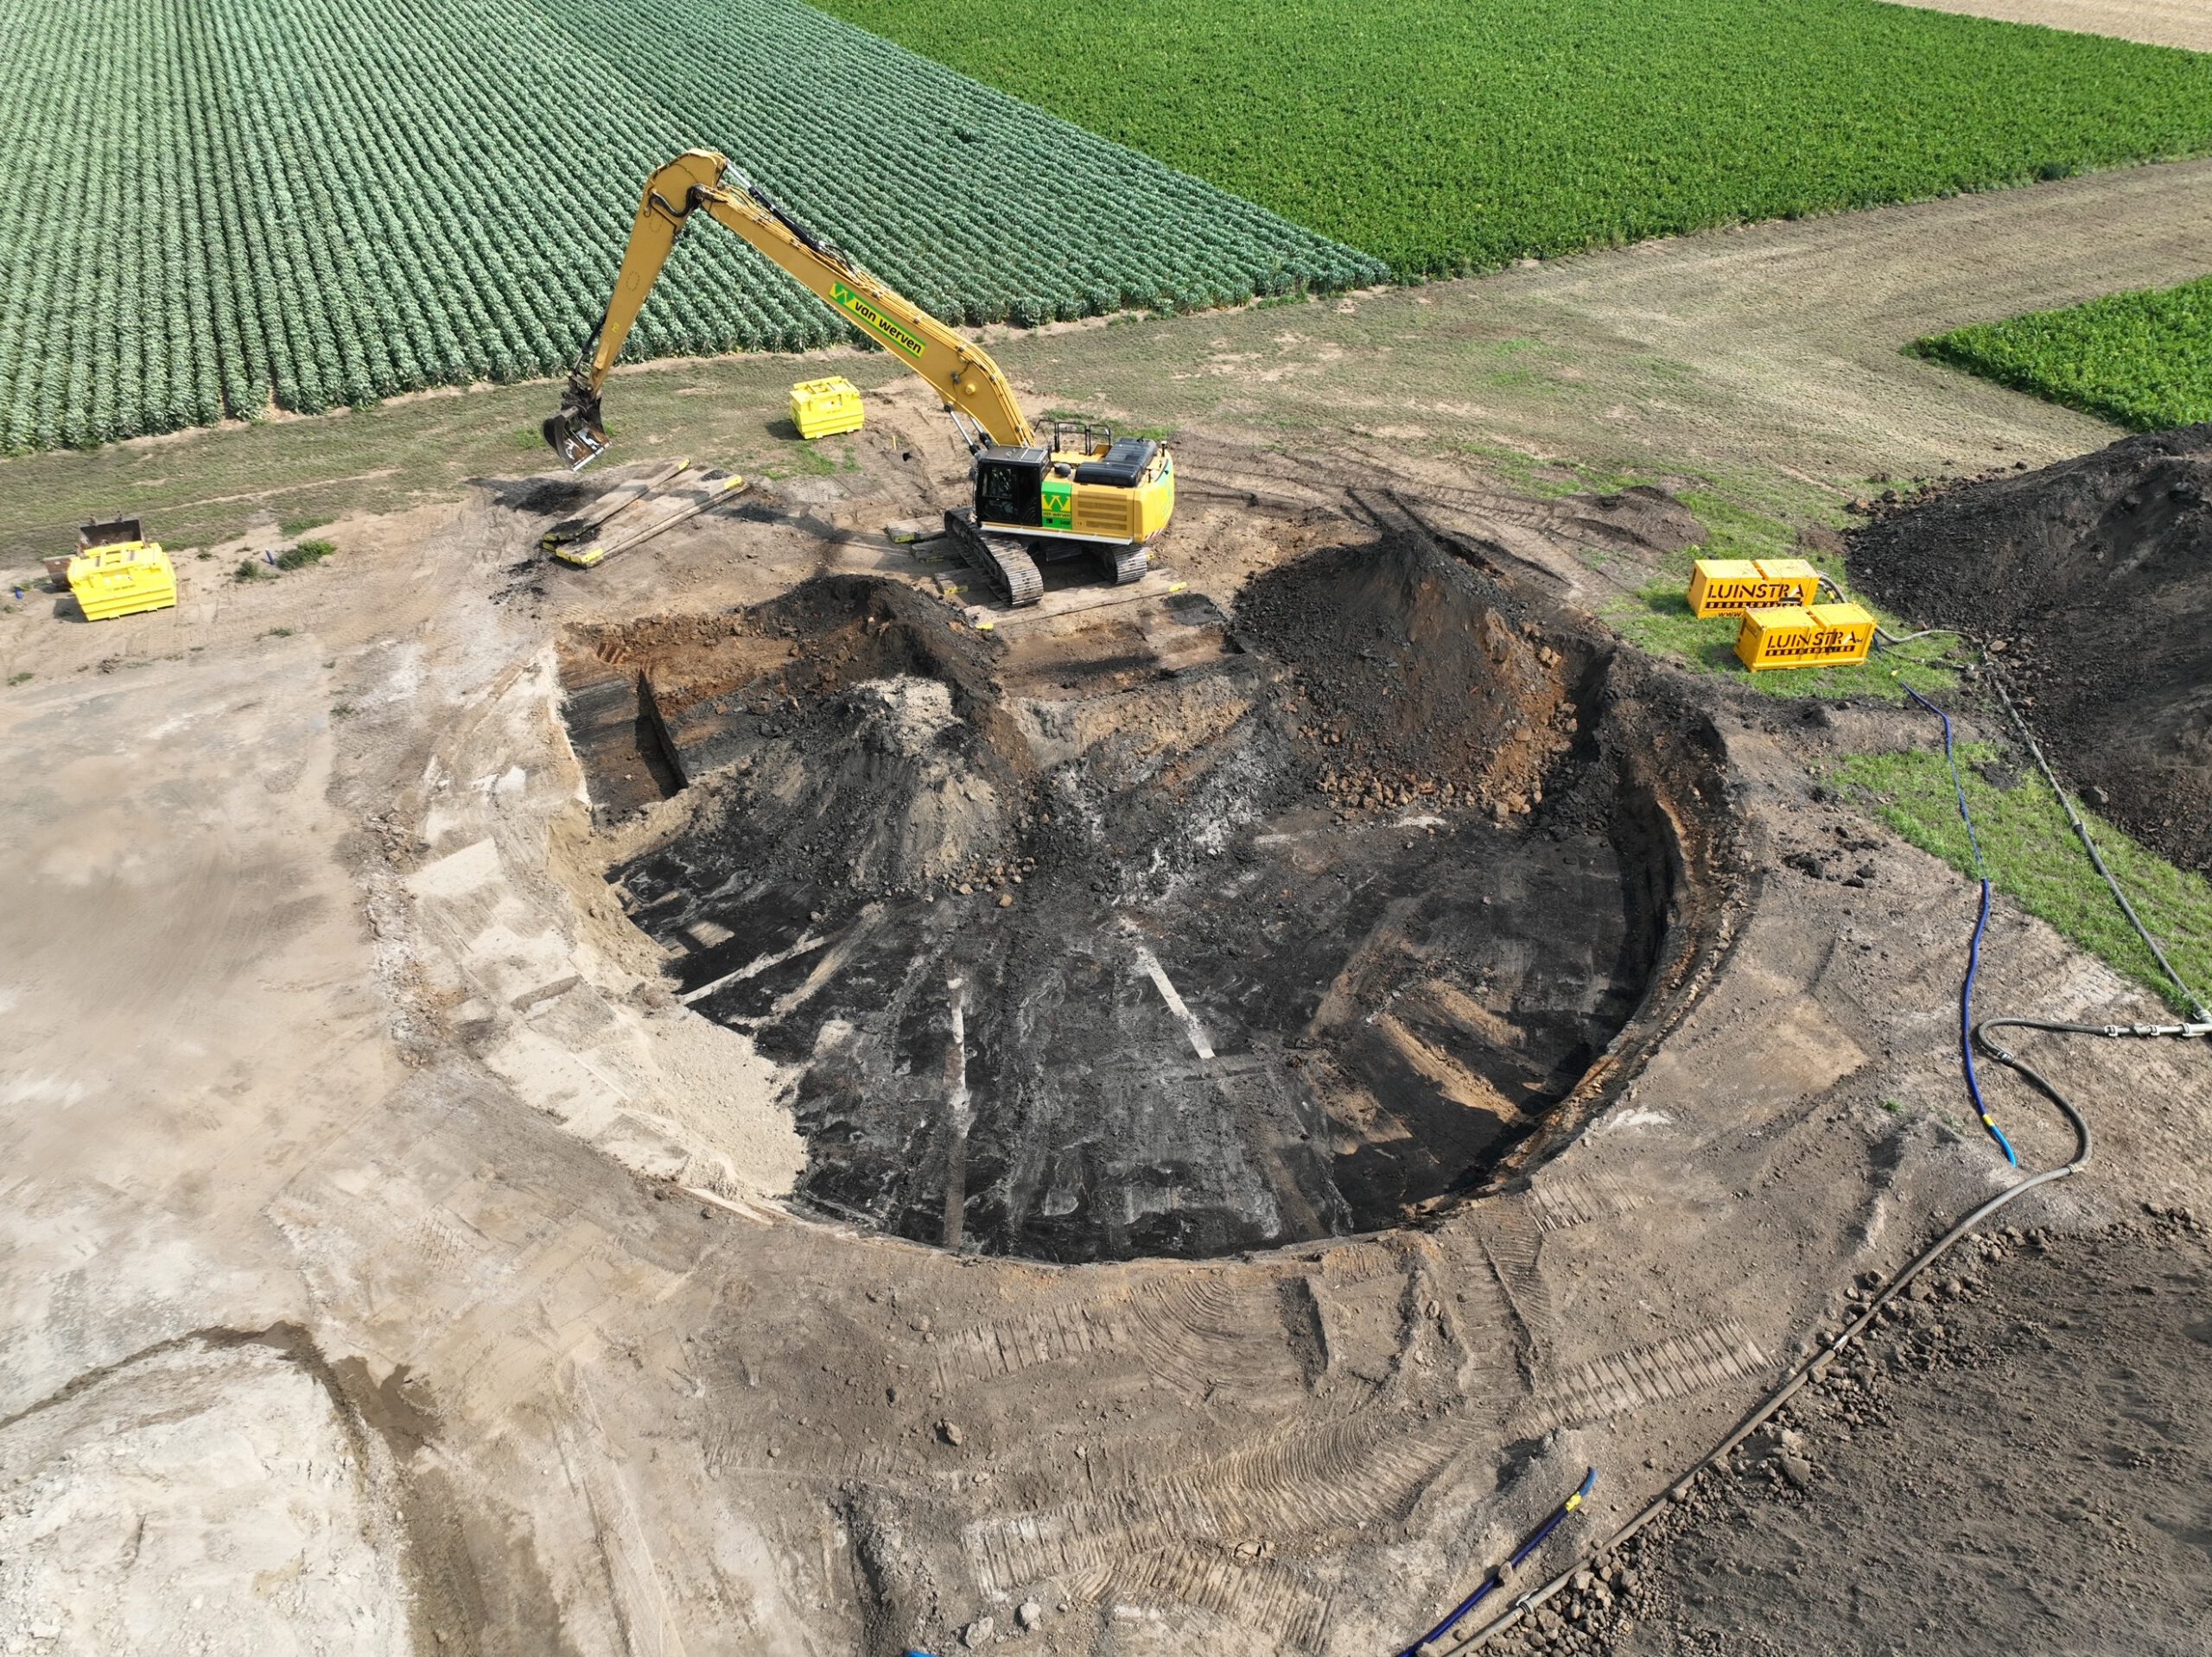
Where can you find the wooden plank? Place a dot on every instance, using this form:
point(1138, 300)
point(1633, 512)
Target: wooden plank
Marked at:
point(606, 505)
point(1158, 584)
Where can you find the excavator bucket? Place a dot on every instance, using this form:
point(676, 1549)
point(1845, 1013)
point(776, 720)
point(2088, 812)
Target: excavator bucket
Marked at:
point(575, 433)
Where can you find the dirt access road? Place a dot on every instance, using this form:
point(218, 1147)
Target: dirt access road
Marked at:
point(2155, 22)
point(340, 1094)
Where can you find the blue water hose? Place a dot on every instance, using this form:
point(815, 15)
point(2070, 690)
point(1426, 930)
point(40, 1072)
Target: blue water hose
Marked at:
point(1973, 949)
point(1496, 1580)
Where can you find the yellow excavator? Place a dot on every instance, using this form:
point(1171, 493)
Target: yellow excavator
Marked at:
point(1080, 491)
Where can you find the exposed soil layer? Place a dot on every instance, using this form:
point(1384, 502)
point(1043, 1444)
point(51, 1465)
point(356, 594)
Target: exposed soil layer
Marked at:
point(2096, 573)
point(1133, 932)
point(2015, 1459)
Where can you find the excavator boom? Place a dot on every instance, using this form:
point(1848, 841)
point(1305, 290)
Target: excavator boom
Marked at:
point(962, 373)
point(1081, 493)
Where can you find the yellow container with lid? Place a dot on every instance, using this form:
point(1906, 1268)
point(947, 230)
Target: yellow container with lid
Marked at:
point(1728, 586)
point(1804, 635)
point(121, 581)
point(823, 408)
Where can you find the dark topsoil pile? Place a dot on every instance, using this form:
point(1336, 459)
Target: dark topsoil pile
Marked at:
point(2096, 573)
point(1423, 678)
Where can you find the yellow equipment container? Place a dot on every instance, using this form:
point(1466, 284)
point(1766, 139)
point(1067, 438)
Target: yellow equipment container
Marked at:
point(825, 408)
point(123, 579)
point(1804, 635)
point(1728, 586)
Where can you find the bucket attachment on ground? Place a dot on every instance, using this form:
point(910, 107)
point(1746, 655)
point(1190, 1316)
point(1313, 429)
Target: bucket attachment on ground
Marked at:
point(90, 537)
point(109, 532)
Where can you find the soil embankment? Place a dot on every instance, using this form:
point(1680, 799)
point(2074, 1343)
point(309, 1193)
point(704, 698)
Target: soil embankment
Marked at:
point(2095, 574)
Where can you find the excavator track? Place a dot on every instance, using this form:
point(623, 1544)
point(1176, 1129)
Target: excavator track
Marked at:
point(1006, 561)
point(1124, 564)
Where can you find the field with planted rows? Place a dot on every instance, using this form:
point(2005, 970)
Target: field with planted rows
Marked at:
point(2144, 359)
point(1449, 135)
point(218, 206)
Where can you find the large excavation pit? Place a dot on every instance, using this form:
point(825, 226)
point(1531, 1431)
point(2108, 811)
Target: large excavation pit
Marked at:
point(1147, 930)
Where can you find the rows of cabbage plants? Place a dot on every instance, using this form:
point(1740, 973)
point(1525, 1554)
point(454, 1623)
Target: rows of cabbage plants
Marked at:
point(227, 206)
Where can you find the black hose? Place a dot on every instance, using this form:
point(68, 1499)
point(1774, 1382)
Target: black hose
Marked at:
point(1973, 947)
point(2081, 832)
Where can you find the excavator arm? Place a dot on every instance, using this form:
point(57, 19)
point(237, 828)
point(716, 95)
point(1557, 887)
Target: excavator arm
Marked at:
point(969, 382)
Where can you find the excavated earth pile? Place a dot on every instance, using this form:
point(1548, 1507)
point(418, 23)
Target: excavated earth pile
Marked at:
point(1142, 931)
point(2096, 573)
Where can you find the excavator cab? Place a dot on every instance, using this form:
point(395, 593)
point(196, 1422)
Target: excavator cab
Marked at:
point(1010, 485)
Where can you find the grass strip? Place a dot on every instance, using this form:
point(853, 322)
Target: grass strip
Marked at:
point(2034, 858)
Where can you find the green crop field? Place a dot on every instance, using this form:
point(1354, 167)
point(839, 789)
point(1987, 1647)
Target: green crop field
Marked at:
point(1450, 136)
point(2144, 359)
point(218, 206)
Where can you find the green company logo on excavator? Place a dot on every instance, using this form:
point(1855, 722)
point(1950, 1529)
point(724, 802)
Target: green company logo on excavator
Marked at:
point(846, 299)
point(1058, 503)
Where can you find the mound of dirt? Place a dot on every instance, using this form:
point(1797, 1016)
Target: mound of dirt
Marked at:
point(2096, 573)
point(1419, 681)
point(1642, 518)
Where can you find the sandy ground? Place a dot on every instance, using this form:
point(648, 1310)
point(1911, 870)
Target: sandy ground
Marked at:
point(205, 1497)
point(2157, 22)
point(316, 1019)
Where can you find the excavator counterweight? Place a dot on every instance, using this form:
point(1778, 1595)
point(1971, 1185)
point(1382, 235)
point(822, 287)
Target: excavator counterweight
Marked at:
point(1033, 498)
